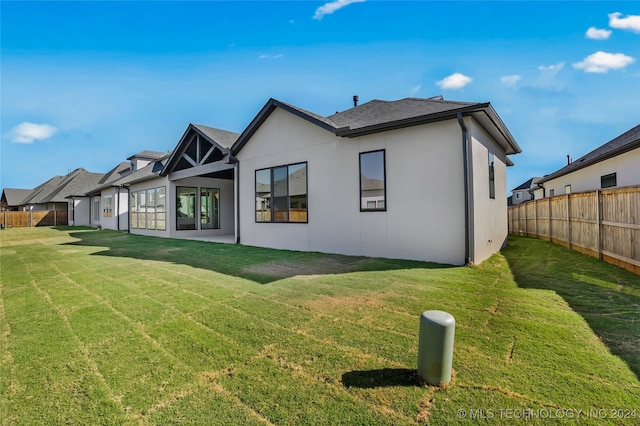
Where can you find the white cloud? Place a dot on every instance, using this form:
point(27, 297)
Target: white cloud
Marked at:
point(29, 132)
point(554, 68)
point(329, 8)
point(597, 34)
point(454, 81)
point(279, 55)
point(631, 22)
point(601, 62)
point(415, 89)
point(510, 80)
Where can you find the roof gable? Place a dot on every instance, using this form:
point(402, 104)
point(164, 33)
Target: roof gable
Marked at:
point(627, 141)
point(198, 146)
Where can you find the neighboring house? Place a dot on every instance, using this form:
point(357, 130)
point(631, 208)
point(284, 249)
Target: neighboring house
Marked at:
point(52, 194)
point(614, 164)
point(87, 208)
point(12, 199)
point(420, 179)
point(523, 192)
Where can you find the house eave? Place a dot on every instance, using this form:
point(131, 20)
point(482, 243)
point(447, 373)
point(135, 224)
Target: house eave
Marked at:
point(613, 153)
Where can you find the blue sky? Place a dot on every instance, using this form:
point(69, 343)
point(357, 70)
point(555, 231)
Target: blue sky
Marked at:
point(88, 84)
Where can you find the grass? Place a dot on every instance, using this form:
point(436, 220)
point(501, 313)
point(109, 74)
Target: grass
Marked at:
point(101, 327)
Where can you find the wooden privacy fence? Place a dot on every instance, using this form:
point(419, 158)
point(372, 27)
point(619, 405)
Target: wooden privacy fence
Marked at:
point(604, 224)
point(34, 218)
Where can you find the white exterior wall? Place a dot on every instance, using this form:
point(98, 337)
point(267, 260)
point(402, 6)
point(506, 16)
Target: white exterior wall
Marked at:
point(425, 193)
point(80, 211)
point(626, 166)
point(119, 220)
point(490, 227)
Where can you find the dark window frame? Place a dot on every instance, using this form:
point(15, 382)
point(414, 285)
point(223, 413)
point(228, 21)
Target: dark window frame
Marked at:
point(384, 181)
point(272, 215)
point(609, 176)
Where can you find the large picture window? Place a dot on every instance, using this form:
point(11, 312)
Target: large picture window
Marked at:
point(281, 194)
point(185, 208)
point(373, 188)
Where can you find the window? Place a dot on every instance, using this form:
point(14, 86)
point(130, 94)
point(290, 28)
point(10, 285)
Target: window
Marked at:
point(552, 192)
point(209, 207)
point(148, 209)
point(518, 195)
point(607, 181)
point(151, 208)
point(96, 210)
point(161, 209)
point(373, 188)
point(281, 194)
point(134, 211)
point(492, 178)
point(567, 189)
point(185, 208)
point(142, 209)
point(107, 206)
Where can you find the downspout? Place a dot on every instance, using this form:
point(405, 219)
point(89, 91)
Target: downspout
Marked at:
point(237, 200)
point(468, 214)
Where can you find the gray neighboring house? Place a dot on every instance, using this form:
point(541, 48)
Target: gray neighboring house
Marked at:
point(12, 198)
point(614, 164)
point(52, 194)
point(524, 192)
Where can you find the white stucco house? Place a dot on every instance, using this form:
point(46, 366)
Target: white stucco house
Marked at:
point(421, 179)
point(614, 164)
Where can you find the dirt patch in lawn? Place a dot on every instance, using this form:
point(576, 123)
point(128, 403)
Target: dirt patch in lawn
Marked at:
point(321, 266)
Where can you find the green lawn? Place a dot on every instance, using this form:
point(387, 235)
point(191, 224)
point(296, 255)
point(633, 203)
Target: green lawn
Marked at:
point(101, 327)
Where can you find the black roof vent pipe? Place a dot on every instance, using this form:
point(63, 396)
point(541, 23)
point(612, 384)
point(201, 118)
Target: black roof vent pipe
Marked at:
point(355, 100)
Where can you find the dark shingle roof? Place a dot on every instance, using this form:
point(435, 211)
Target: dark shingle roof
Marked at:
point(377, 112)
point(625, 142)
point(378, 116)
point(58, 188)
point(15, 197)
point(222, 137)
point(149, 155)
point(528, 184)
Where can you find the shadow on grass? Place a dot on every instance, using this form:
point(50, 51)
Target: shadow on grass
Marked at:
point(385, 377)
point(607, 297)
point(257, 264)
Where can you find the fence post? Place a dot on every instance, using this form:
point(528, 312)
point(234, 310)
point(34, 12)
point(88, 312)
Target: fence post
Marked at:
point(30, 218)
point(550, 221)
point(599, 223)
point(569, 221)
point(535, 217)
